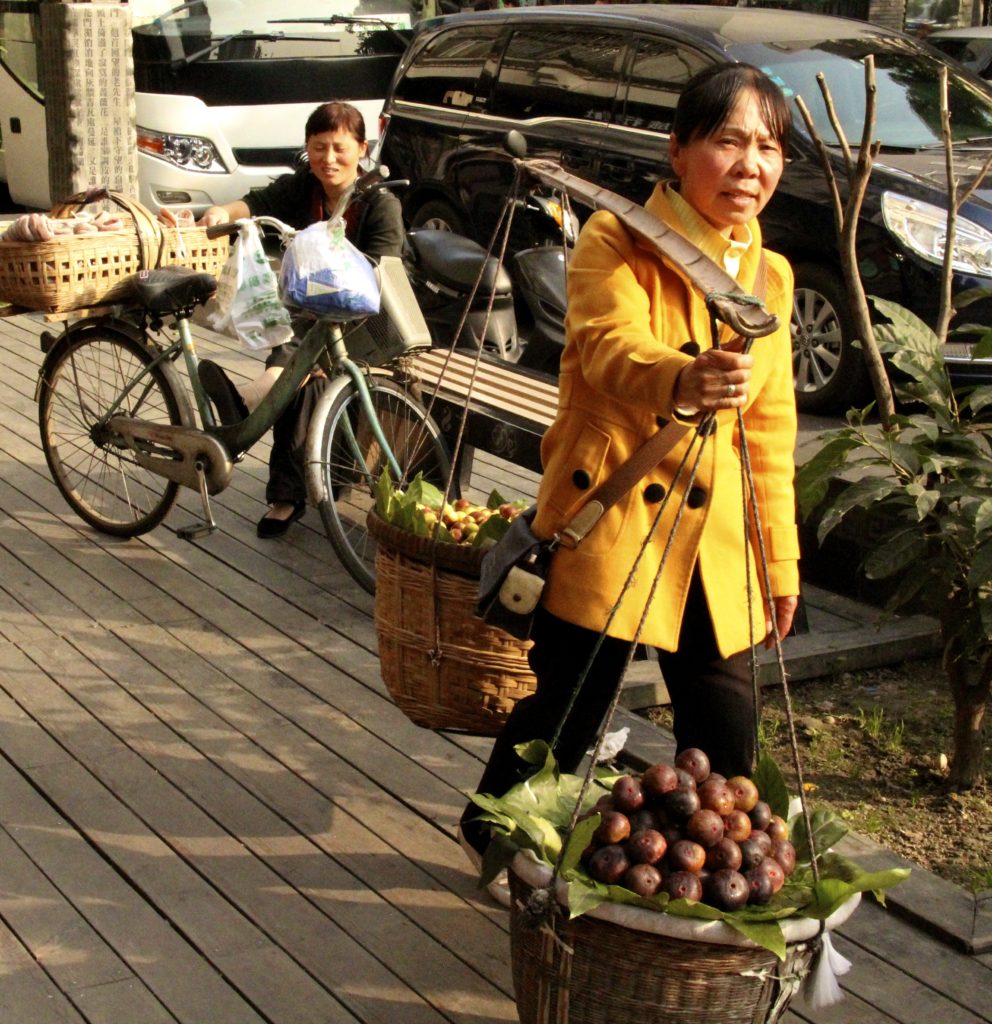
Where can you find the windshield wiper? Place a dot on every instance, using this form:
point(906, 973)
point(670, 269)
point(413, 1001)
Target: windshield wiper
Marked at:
point(268, 37)
point(345, 19)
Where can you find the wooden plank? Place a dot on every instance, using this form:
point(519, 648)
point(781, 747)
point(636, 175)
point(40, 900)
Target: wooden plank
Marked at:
point(964, 981)
point(167, 963)
point(27, 993)
point(66, 947)
point(169, 877)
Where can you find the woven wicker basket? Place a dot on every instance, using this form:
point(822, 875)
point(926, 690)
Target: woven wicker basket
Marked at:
point(78, 271)
point(616, 963)
point(443, 666)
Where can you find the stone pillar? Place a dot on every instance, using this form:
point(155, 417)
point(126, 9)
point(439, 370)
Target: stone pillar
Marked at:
point(887, 13)
point(87, 75)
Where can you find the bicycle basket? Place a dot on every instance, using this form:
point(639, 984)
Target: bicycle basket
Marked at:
point(398, 329)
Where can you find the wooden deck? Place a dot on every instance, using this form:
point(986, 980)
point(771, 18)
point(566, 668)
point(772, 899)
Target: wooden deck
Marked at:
point(211, 813)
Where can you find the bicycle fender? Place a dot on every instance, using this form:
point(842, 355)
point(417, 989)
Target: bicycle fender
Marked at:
point(316, 493)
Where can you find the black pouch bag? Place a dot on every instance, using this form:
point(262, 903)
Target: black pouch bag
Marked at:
point(512, 577)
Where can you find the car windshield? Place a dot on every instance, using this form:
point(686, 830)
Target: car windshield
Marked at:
point(232, 29)
point(907, 101)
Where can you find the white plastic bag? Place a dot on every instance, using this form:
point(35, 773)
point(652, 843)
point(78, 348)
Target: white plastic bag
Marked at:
point(324, 273)
point(246, 304)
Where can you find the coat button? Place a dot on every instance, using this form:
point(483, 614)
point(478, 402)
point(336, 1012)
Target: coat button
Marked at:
point(696, 498)
point(660, 421)
point(690, 348)
point(581, 479)
point(654, 493)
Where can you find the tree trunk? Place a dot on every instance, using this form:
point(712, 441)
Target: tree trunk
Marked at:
point(970, 681)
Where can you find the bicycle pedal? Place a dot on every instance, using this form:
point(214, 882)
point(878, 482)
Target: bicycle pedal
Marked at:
point(196, 530)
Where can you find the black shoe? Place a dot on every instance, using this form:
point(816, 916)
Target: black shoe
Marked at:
point(269, 527)
point(221, 391)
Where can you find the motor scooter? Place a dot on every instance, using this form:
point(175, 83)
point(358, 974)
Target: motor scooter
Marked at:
point(517, 317)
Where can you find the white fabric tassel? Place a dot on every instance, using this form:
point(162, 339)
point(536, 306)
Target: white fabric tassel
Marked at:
point(821, 988)
point(613, 743)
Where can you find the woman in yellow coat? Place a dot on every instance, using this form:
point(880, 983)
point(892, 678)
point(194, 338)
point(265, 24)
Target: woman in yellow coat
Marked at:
point(639, 353)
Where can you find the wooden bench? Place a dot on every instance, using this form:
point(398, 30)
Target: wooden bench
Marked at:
point(509, 411)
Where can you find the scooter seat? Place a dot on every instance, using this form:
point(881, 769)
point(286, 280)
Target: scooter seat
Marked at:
point(171, 289)
point(453, 261)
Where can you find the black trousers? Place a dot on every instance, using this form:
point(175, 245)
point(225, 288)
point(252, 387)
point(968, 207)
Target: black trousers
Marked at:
point(712, 699)
point(287, 459)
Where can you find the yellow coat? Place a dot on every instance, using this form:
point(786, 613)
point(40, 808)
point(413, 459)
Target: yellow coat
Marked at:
point(629, 312)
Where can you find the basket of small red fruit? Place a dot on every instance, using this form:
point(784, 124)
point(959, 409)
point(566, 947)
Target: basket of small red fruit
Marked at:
point(668, 896)
point(443, 666)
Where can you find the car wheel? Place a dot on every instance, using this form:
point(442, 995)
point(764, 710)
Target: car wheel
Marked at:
point(439, 216)
point(829, 372)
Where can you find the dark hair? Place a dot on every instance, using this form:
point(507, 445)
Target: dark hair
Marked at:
point(710, 95)
point(336, 116)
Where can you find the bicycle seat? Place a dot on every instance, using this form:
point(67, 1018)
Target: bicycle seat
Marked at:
point(454, 261)
point(171, 289)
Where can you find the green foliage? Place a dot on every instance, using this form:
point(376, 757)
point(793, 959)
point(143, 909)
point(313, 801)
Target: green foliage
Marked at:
point(925, 485)
point(405, 510)
point(535, 816)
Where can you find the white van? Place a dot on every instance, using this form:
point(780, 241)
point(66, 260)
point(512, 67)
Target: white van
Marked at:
point(223, 89)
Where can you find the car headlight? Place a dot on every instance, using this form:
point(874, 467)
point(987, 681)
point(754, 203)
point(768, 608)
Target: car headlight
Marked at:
point(187, 151)
point(922, 228)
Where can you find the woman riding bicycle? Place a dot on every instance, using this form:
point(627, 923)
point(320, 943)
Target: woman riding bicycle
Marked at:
point(335, 146)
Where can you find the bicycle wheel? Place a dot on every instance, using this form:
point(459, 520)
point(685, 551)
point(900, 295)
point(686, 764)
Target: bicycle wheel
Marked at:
point(346, 482)
point(93, 469)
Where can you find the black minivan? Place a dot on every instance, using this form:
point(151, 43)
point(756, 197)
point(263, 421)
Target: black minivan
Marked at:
point(595, 87)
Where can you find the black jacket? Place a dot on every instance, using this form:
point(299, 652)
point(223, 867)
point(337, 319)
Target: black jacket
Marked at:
point(373, 224)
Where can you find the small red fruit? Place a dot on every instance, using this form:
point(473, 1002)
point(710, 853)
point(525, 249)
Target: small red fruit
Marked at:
point(685, 855)
point(760, 815)
point(627, 794)
point(745, 792)
point(724, 854)
point(608, 864)
point(683, 885)
point(727, 889)
point(614, 828)
point(705, 827)
point(785, 853)
point(777, 828)
point(716, 796)
point(644, 879)
point(659, 779)
point(737, 826)
point(694, 761)
point(646, 846)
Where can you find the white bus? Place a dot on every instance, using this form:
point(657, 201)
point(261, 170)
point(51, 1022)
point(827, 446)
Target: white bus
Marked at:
point(223, 89)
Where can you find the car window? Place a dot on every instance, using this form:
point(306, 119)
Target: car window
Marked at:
point(444, 73)
point(659, 71)
point(956, 48)
point(907, 101)
point(557, 71)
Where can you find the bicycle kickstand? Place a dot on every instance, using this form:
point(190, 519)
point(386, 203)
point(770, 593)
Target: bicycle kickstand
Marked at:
point(208, 525)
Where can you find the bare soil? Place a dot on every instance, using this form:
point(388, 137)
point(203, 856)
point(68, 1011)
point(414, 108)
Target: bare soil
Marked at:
point(873, 747)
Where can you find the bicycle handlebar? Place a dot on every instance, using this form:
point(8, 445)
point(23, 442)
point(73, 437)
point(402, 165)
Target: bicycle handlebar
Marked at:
point(370, 181)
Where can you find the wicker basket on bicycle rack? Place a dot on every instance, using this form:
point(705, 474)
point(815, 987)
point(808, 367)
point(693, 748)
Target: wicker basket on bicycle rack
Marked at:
point(79, 271)
point(620, 962)
point(444, 667)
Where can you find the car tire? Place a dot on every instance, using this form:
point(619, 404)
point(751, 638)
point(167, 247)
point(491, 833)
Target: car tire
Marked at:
point(829, 372)
point(440, 216)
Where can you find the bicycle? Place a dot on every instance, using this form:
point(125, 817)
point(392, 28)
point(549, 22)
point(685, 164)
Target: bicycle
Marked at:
point(119, 431)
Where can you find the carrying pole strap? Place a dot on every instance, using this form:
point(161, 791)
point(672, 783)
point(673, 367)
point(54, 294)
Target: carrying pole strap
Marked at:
point(649, 455)
point(727, 301)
